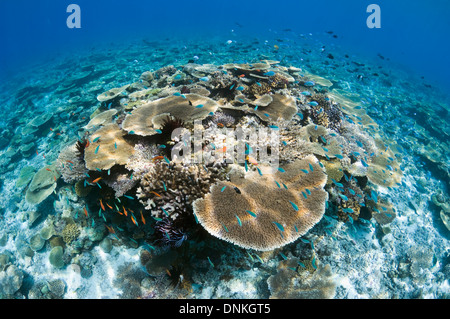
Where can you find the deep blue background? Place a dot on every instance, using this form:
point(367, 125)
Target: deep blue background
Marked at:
point(413, 33)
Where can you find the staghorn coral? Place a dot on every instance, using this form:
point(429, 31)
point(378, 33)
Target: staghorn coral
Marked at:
point(283, 213)
point(174, 187)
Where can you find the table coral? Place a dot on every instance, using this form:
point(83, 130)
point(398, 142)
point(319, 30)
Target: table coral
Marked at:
point(268, 211)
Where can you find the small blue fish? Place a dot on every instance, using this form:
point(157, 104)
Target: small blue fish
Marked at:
point(274, 127)
point(165, 187)
point(280, 227)
point(204, 79)
point(225, 227)
point(240, 88)
point(306, 93)
point(374, 196)
point(306, 241)
point(115, 145)
point(304, 195)
point(270, 73)
point(109, 106)
point(96, 139)
point(283, 256)
point(251, 213)
point(259, 171)
point(359, 144)
point(210, 262)
point(158, 131)
point(348, 210)
point(281, 169)
point(304, 171)
point(313, 103)
point(343, 197)
point(177, 94)
point(351, 191)
point(301, 115)
point(238, 219)
point(339, 156)
point(259, 84)
point(311, 167)
point(129, 197)
point(309, 83)
point(364, 163)
point(278, 184)
point(223, 188)
point(162, 146)
point(96, 150)
point(199, 106)
point(294, 206)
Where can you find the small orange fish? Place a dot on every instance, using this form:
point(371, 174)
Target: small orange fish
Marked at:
point(252, 160)
point(157, 158)
point(108, 206)
point(48, 169)
point(142, 218)
point(133, 220)
point(110, 229)
point(87, 144)
point(51, 129)
point(96, 180)
point(58, 133)
point(125, 212)
point(168, 272)
point(220, 125)
point(69, 162)
point(85, 212)
point(37, 153)
point(54, 177)
point(101, 205)
point(242, 75)
point(83, 118)
point(223, 149)
point(155, 193)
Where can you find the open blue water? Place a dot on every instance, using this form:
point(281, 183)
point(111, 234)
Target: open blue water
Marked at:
point(398, 75)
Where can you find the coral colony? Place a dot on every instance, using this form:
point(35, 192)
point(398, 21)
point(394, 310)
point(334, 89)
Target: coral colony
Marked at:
point(251, 153)
point(186, 162)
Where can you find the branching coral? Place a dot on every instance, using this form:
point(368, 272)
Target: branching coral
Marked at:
point(169, 190)
point(70, 165)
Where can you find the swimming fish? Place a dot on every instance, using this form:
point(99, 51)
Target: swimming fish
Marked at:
point(280, 227)
point(343, 197)
point(294, 206)
point(96, 139)
point(309, 83)
point(223, 188)
point(304, 171)
point(96, 180)
point(204, 79)
point(239, 220)
point(311, 167)
point(281, 169)
point(85, 212)
point(199, 106)
point(313, 103)
point(251, 213)
point(240, 88)
point(101, 205)
point(96, 150)
point(270, 73)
